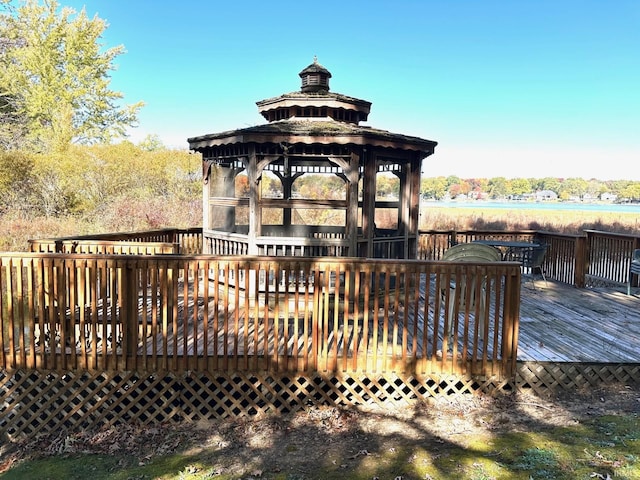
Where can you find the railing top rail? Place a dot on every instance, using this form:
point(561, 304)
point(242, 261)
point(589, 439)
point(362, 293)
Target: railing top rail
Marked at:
point(121, 235)
point(103, 242)
point(483, 232)
point(220, 234)
point(612, 234)
point(559, 234)
point(248, 260)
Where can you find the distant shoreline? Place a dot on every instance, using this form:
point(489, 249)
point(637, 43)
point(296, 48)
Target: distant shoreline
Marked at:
point(518, 205)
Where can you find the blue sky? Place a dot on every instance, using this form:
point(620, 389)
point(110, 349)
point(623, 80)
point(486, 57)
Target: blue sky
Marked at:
point(507, 88)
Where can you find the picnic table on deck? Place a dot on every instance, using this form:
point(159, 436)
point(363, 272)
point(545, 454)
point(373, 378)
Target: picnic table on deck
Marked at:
point(510, 249)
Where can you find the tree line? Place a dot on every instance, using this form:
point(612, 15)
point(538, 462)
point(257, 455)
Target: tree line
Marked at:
point(500, 188)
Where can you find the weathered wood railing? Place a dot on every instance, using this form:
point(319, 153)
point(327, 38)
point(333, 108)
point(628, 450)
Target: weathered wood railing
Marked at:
point(593, 258)
point(168, 240)
point(433, 243)
point(200, 313)
point(609, 257)
point(217, 243)
point(566, 257)
point(113, 247)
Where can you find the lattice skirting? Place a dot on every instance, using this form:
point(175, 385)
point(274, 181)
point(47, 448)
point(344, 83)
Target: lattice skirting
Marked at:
point(545, 377)
point(36, 402)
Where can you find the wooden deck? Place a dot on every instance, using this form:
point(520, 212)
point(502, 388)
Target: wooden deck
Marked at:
point(72, 357)
point(203, 350)
point(560, 323)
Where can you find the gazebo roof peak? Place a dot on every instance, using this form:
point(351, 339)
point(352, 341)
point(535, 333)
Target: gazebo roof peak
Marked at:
point(315, 77)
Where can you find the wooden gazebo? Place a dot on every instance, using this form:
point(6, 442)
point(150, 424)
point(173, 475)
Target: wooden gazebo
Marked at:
point(261, 184)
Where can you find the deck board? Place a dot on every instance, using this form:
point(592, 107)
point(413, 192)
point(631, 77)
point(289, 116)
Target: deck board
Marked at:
point(561, 323)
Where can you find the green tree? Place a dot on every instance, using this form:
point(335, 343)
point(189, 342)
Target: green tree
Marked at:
point(457, 186)
point(498, 187)
point(550, 183)
point(573, 187)
point(387, 185)
point(56, 74)
point(453, 180)
point(520, 186)
point(13, 127)
point(319, 186)
point(16, 181)
point(617, 186)
point(434, 187)
point(595, 188)
point(631, 192)
point(151, 143)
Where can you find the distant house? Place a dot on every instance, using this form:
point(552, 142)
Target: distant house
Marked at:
point(546, 195)
point(608, 197)
point(478, 195)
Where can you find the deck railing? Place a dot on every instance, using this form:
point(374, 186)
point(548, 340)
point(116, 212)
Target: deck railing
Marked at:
point(225, 244)
point(609, 257)
point(594, 258)
point(168, 240)
point(433, 243)
point(114, 247)
point(180, 313)
point(591, 259)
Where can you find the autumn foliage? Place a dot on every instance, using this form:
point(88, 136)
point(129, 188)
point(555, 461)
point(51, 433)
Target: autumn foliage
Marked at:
point(100, 188)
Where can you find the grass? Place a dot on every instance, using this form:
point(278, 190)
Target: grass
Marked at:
point(562, 221)
point(600, 447)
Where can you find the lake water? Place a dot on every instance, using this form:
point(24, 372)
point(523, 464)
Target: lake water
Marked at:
point(571, 206)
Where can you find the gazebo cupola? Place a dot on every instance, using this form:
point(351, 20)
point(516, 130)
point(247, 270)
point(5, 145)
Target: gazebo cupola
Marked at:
point(315, 78)
point(310, 181)
point(314, 100)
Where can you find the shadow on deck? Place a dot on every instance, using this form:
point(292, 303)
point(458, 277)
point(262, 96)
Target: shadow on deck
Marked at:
point(558, 323)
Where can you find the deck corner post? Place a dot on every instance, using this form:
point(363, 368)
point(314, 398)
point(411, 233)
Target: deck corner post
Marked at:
point(582, 260)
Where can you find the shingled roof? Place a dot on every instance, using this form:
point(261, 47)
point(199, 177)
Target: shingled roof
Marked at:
point(321, 97)
point(323, 131)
